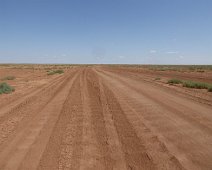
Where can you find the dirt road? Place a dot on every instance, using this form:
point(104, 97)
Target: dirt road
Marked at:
point(95, 118)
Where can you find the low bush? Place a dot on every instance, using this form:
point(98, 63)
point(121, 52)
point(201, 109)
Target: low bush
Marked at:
point(8, 78)
point(210, 89)
point(201, 71)
point(191, 84)
point(51, 73)
point(157, 78)
point(174, 81)
point(5, 88)
point(59, 71)
point(196, 85)
point(55, 72)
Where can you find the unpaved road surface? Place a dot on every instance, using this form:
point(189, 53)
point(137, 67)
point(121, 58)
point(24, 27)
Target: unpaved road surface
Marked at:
point(93, 118)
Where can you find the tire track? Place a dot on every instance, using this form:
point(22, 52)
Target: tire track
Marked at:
point(23, 141)
point(71, 150)
point(58, 152)
point(98, 149)
point(114, 144)
point(178, 134)
point(12, 108)
point(149, 79)
point(205, 123)
point(136, 156)
point(27, 98)
point(24, 111)
point(90, 153)
point(156, 150)
point(19, 98)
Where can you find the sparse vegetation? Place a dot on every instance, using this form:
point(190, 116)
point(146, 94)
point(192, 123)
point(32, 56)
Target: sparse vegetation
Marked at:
point(5, 88)
point(201, 71)
point(196, 85)
point(174, 81)
point(180, 68)
point(8, 78)
point(191, 84)
point(157, 78)
point(210, 89)
point(52, 72)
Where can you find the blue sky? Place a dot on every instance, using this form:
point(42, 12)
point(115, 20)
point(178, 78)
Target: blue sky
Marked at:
point(106, 31)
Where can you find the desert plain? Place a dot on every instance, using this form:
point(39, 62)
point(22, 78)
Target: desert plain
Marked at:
point(121, 117)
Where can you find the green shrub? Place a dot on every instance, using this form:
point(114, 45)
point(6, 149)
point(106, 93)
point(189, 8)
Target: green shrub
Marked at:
point(201, 71)
point(8, 78)
point(157, 78)
point(192, 84)
point(210, 89)
point(162, 69)
point(59, 71)
point(196, 85)
point(5, 88)
point(55, 72)
point(50, 73)
point(174, 81)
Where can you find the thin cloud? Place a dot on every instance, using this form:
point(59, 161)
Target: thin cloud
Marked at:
point(121, 56)
point(46, 55)
point(152, 51)
point(172, 52)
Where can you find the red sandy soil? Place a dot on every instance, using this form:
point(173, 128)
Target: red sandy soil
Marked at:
point(102, 117)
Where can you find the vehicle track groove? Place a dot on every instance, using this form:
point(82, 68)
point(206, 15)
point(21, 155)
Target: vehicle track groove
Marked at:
point(10, 122)
point(135, 152)
point(23, 140)
point(166, 123)
point(55, 153)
